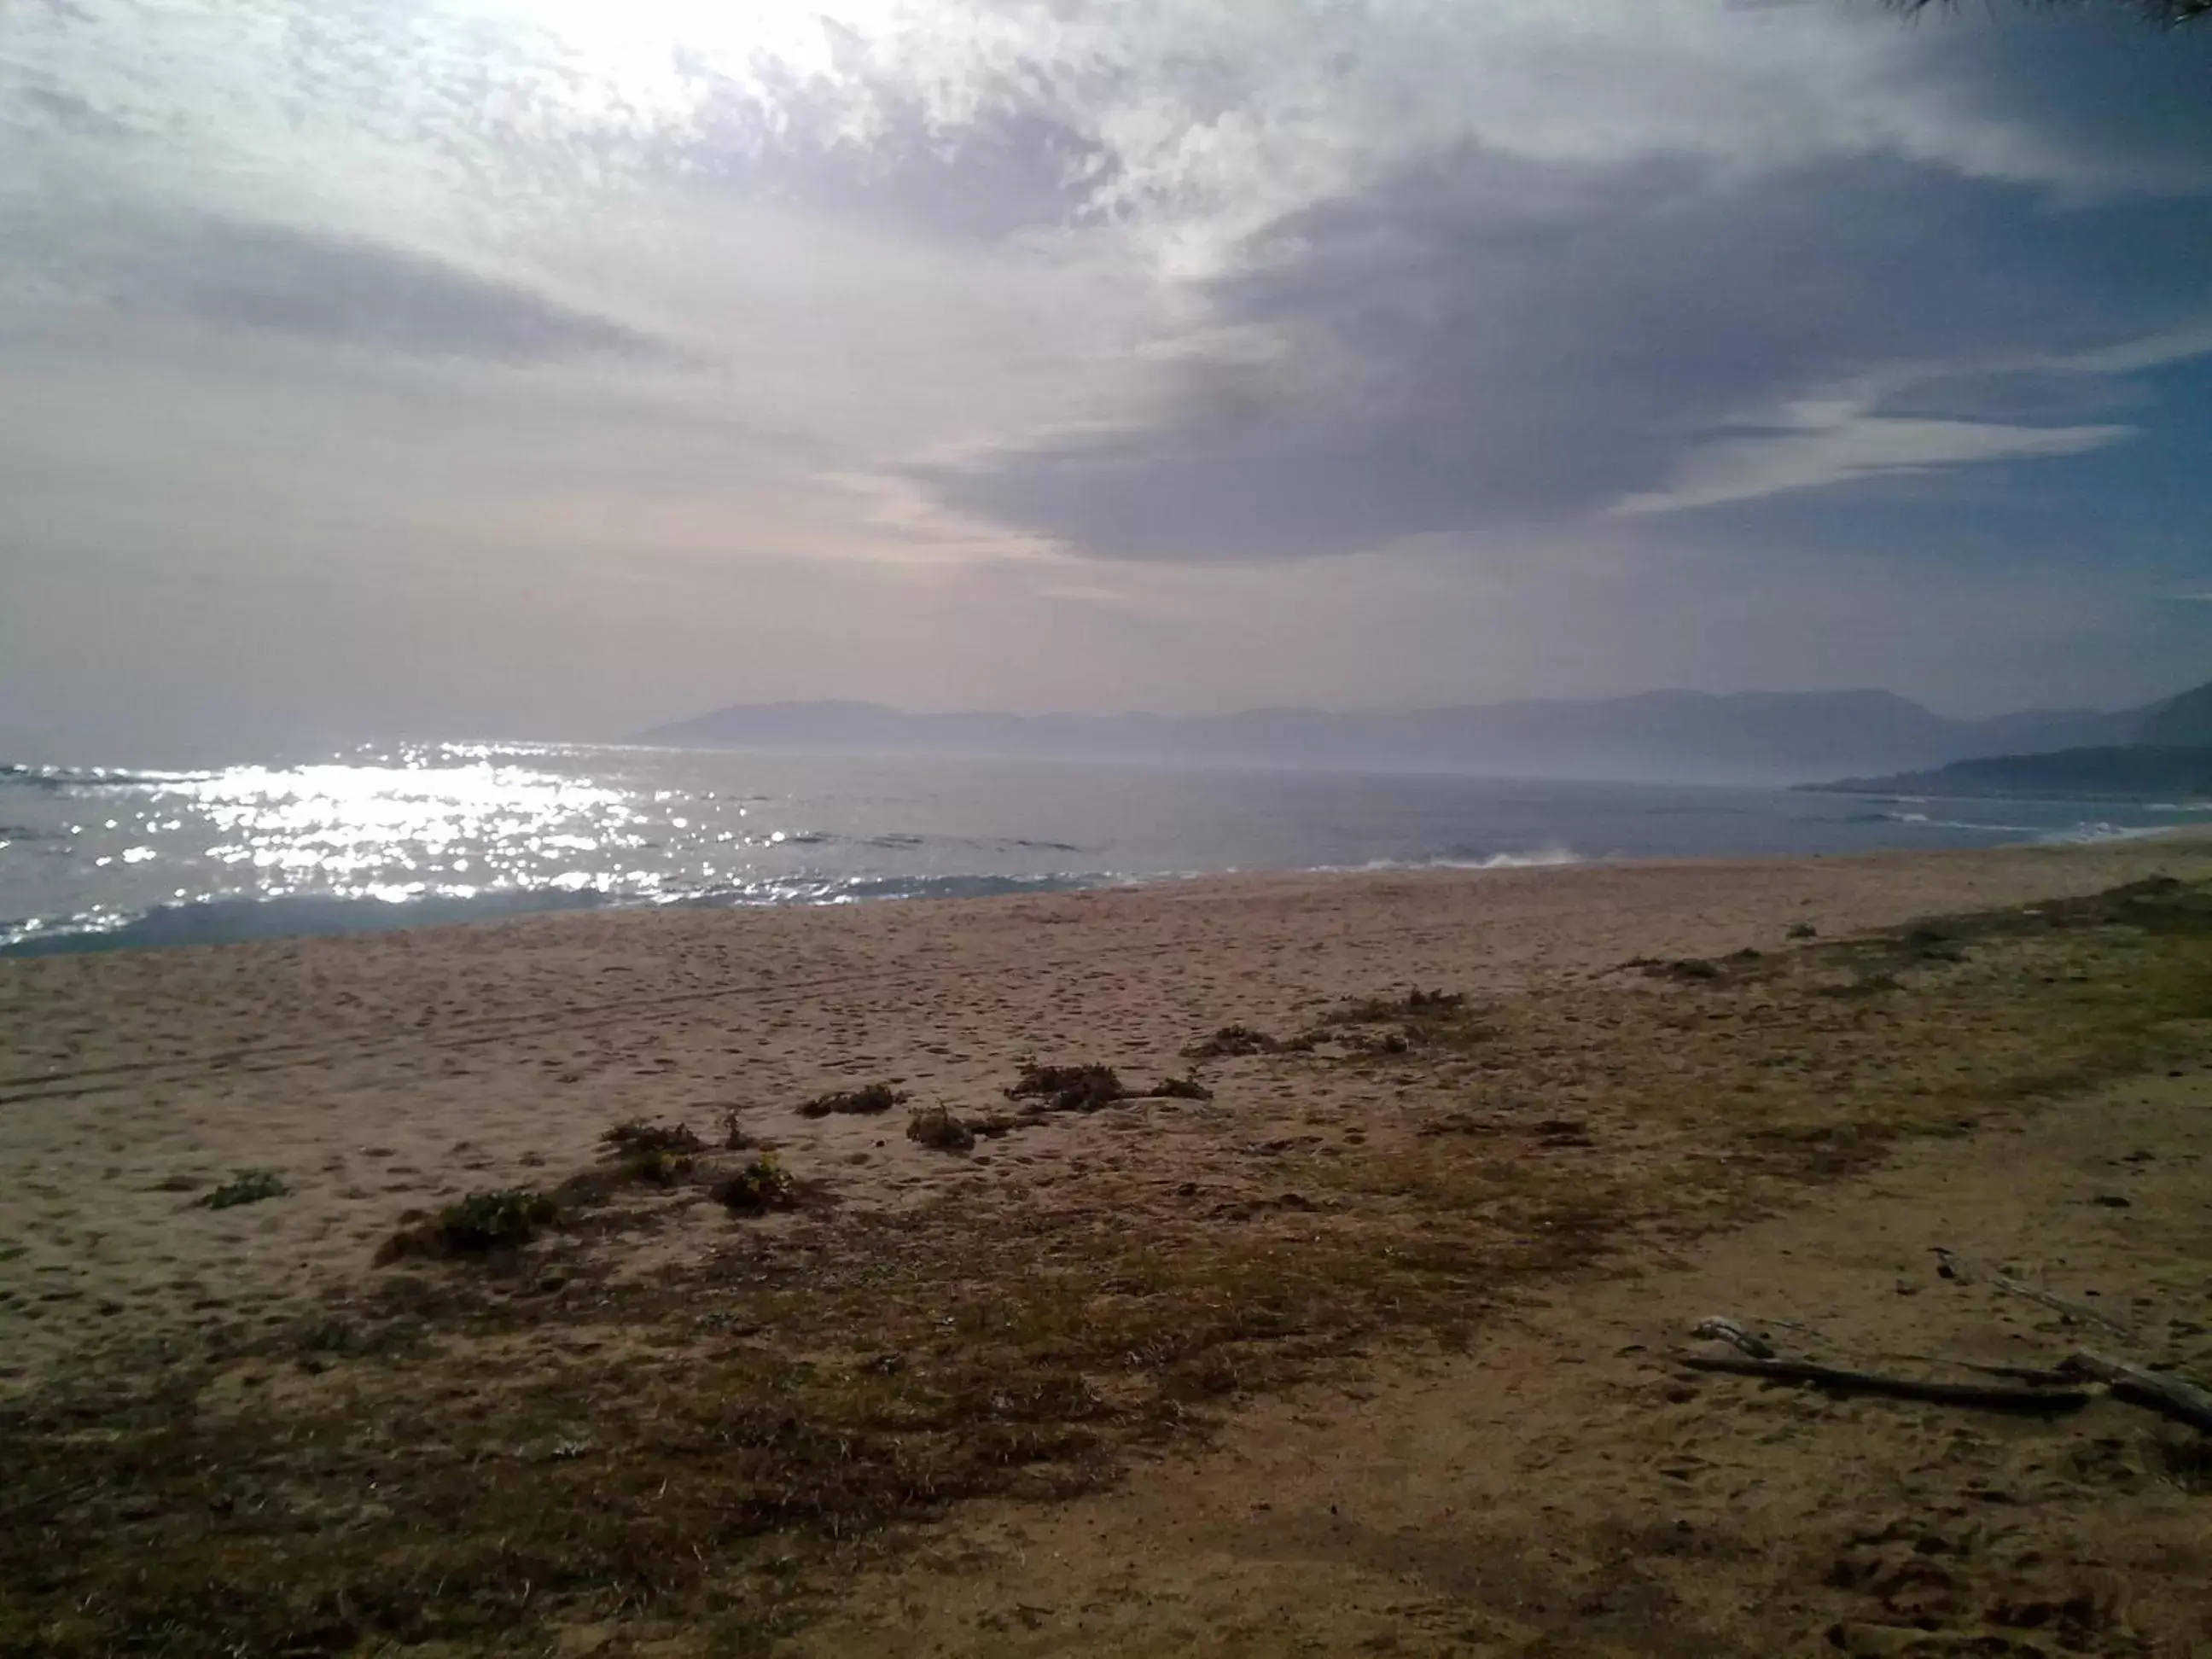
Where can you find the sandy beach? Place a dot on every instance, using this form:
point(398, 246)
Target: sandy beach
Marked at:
point(1609, 1012)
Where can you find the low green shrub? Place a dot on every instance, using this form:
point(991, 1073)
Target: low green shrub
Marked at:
point(763, 1184)
point(478, 1224)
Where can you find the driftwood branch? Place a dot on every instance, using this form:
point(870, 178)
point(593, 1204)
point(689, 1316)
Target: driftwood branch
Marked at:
point(1959, 1268)
point(1985, 1396)
point(2169, 1396)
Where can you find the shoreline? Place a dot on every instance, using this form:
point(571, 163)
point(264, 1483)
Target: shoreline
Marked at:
point(245, 920)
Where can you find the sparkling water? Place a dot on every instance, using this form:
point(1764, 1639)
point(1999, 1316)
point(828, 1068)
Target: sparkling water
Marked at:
point(397, 835)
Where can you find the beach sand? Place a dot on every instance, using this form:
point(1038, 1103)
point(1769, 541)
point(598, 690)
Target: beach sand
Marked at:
point(381, 1077)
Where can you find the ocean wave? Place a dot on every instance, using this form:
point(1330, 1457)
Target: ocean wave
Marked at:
point(1543, 859)
point(58, 778)
point(2074, 833)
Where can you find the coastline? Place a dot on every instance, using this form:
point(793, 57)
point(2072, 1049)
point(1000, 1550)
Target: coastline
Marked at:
point(1567, 1106)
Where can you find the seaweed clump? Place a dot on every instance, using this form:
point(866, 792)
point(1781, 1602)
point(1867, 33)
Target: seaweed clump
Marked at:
point(1069, 1088)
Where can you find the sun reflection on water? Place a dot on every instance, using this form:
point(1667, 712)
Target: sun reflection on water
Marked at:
point(397, 832)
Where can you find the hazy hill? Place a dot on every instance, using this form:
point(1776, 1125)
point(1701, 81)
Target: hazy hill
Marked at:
point(1782, 737)
point(2136, 772)
point(2184, 721)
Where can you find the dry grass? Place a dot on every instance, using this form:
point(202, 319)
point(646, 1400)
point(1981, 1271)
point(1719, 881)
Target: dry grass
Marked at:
point(246, 1187)
point(481, 1460)
point(638, 1138)
point(875, 1098)
point(938, 1129)
point(1232, 1042)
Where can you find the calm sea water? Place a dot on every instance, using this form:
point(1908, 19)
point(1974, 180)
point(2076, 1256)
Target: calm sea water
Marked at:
point(395, 836)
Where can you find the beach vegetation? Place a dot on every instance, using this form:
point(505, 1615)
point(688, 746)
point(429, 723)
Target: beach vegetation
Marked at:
point(246, 1187)
point(867, 1102)
point(936, 1128)
point(1392, 1026)
point(761, 1184)
point(1232, 1042)
point(1084, 1088)
point(637, 1138)
point(481, 1223)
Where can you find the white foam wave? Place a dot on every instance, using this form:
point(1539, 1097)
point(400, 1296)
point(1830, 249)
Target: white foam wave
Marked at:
point(2080, 834)
point(1543, 859)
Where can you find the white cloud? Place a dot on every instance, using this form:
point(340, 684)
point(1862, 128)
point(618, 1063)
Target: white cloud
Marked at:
point(1832, 443)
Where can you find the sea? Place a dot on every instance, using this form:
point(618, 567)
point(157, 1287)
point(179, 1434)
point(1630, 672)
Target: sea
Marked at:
point(95, 858)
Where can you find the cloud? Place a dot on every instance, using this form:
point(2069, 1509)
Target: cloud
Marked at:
point(347, 290)
point(1841, 443)
point(328, 287)
point(1484, 340)
point(1075, 324)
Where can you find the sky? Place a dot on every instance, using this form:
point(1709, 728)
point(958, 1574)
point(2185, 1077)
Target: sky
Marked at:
point(554, 369)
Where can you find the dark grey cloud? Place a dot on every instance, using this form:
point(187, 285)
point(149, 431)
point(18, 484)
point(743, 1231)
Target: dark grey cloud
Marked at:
point(1484, 340)
point(2110, 101)
point(282, 280)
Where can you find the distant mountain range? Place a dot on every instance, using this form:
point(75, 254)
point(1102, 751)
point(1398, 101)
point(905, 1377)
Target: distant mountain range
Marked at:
point(1659, 736)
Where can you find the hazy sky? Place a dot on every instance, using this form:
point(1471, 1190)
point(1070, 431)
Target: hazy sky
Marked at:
point(553, 368)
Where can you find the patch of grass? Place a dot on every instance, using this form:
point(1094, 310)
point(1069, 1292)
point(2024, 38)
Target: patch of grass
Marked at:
point(762, 1184)
point(1182, 1088)
point(1232, 1042)
point(246, 1187)
point(478, 1224)
point(875, 1098)
point(936, 1128)
point(1069, 1088)
point(638, 1138)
